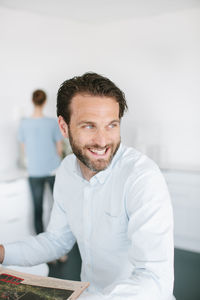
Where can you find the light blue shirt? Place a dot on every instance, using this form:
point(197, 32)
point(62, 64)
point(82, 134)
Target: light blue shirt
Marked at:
point(39, 136)
point(122, 221)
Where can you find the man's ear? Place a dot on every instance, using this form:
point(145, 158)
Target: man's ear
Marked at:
point(63, 126)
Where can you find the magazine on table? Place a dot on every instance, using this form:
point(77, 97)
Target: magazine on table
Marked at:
point(16, 285)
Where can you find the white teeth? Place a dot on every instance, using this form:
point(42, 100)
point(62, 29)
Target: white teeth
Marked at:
point(99, 152)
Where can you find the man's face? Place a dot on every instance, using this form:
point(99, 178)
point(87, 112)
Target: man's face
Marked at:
point(94, 131)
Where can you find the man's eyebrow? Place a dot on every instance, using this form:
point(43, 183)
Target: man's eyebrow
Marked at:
point(115, 121)
point(86, 122)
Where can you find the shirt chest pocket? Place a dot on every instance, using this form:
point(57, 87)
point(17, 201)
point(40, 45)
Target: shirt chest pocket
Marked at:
point(116, 223)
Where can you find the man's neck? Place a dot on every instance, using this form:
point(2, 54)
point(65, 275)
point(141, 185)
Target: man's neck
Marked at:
point(86, 172)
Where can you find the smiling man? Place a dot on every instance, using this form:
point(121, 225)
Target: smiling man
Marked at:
point(109, 198)
point(93, 131)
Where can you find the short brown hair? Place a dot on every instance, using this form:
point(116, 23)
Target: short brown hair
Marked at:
point(39, 97)
point(91, 83)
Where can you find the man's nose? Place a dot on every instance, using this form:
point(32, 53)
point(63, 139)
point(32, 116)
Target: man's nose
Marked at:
point(100, 137)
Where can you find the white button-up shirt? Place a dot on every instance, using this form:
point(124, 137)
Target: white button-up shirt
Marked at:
point(123, 224)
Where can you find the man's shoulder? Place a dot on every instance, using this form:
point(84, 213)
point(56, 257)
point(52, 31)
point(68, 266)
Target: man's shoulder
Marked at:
point(68, 164)
point(133, 161)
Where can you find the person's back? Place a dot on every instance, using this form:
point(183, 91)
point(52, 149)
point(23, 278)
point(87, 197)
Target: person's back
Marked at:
point(40, 136)
point(42, 143)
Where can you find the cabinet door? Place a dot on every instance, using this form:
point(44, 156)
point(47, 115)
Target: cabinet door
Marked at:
point(16, 213)
point(184, 188)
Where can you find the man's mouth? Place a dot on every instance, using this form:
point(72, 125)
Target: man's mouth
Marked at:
point(99, 151)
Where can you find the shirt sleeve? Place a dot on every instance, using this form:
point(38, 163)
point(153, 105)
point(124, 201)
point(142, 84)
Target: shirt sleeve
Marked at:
point(150, 230)
point(52, 244)
point(21, 137)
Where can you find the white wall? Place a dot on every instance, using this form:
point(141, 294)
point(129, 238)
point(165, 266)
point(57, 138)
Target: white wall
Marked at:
point(154, 60)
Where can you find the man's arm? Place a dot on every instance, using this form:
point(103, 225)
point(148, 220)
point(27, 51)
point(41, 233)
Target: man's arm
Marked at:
point(45, 247)
point(2, 251)
point(150, 231)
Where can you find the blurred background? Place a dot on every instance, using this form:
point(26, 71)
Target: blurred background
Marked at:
point(151, 50)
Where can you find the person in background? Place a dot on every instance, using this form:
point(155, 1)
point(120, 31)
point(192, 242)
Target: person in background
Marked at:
point(110, 198)
point(41, 142)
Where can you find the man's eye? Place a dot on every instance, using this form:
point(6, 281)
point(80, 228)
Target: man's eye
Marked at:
point(112, 125)
point(88, 126)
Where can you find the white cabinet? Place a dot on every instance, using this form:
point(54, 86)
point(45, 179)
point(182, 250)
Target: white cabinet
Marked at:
point(184, 188)
point(16, 210)
point(16, 217)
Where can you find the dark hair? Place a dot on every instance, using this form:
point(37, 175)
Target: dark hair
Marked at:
point(92, 84)
point(39, 97)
